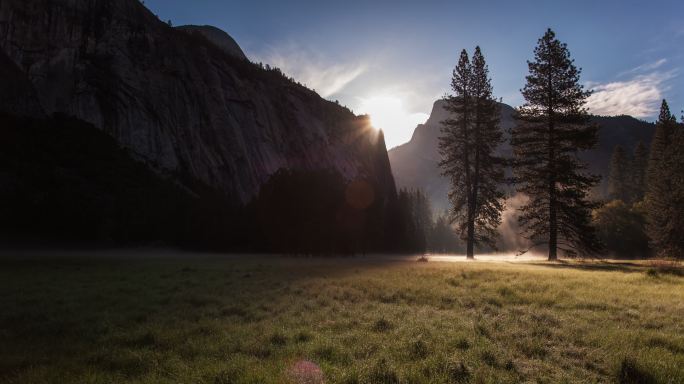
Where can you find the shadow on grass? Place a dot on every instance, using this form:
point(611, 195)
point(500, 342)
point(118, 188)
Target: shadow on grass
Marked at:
point(117, 262)
point(597, 265)
point(653, 269)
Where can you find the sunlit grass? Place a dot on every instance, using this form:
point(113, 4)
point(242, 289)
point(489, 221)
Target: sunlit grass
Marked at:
point(237, 320)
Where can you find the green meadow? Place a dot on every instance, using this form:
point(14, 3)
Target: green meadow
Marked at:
point(239, 319)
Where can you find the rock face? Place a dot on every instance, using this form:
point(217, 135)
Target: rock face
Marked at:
point(416, 163)
point(220, 38)
point(18, 96)
point(180, 102)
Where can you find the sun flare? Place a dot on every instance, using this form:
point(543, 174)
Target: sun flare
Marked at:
point(389, 114)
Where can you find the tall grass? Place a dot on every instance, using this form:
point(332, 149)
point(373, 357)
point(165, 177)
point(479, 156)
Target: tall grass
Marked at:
point(242, 320)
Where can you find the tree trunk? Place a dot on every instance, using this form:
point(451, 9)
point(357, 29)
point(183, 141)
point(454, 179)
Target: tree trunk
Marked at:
point(553, 219)
point(470, 252)
point(553, 236)
point(473, 195)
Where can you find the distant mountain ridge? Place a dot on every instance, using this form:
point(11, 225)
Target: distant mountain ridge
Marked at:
point(416, 163)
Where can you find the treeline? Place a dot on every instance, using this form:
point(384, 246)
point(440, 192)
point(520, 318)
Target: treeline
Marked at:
point(645, 208)
point(319, 212)
point(423, 230)
point(62, 181)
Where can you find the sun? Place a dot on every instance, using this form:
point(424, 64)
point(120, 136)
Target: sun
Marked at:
point(385, 111)
point(389, 114)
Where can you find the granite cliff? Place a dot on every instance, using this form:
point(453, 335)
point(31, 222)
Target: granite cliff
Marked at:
point(179, 100)
point(217, 37)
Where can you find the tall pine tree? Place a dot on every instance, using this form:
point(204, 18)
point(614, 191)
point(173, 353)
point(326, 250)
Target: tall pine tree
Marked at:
point(618, 178)
point(665, 189)
point(552, 126)
point(467, 145)
point(665, 127)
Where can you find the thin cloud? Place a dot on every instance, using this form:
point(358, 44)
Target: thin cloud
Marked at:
point(329, 80)
point(638, 96)
point(312, 70)
point(645, 67)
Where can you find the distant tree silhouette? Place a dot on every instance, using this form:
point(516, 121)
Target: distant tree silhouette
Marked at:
point(318, 212)
point(552, 126)
point(65, 181)
point(665, 196)
point(296, 213)
point(467, 146)
point(416, 215)
point(618, 178)
point(665, 127)
point(638, 172)
point(422, 214)
point(443, 238)
point(622, 229)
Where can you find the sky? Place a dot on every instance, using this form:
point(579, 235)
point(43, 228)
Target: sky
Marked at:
point(393, 59)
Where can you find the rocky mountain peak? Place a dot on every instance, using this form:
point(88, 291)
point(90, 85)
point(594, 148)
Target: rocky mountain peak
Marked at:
point(218, 37)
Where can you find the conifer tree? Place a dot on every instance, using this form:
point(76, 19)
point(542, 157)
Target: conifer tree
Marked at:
point(638, 177)
point(665, 189)
point(665, 127)
point(551, 127)
point(618, 179)
point(488, 197)
point(467, 146)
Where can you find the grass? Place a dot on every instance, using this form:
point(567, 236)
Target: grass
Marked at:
point(269, 320)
